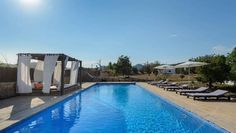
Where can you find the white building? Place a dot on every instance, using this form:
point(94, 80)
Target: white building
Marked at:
point(166, 69)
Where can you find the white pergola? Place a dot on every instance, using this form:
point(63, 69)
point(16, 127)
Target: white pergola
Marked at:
point(49, 71)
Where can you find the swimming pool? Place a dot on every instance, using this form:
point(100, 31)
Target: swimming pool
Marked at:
point(114, 108)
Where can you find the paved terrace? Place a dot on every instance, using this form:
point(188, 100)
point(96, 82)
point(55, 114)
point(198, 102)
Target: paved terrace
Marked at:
point(220, 113)
point(14, 109)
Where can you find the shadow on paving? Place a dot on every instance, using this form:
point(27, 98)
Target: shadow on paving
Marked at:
point(20, 104)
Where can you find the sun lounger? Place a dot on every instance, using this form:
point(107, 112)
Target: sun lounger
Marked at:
point(156, 82)
point(162, 83)
point(215, 94)
point(168, 85)
point(199, 90)
point(168, 88)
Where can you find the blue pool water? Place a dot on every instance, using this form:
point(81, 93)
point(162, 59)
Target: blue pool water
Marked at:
point(114, 108)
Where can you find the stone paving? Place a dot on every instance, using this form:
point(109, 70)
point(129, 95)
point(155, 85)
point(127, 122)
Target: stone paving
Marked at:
point(222, 113)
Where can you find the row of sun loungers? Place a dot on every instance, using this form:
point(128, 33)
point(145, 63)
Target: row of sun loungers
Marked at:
point(200, 93)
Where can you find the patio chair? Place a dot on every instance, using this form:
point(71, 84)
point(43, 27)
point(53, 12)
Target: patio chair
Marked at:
point(199, 90)
point(215, 94)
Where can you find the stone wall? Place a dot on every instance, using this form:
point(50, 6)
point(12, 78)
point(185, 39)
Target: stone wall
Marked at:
point(7, 89)
point(8, 74)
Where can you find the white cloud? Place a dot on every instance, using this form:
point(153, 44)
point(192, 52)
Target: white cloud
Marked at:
point(221, 49)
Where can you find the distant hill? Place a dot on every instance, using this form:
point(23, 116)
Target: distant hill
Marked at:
point(138, 66)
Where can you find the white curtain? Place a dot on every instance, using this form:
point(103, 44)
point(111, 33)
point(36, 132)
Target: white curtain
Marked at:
point(49, 66)
point(66, 60)
point(74, 72)
point(57, 74)
point(38, 72)
point(23, 74)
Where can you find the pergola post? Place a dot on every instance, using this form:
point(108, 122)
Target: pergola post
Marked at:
point(62, 74)
point(80, 74)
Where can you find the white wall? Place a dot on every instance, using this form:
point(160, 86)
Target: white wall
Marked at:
point(167, 71)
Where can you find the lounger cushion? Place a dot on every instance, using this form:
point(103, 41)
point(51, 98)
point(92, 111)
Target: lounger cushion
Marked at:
point(38, 85)
point(214, 93)
point(53, 87)
point(197, 90)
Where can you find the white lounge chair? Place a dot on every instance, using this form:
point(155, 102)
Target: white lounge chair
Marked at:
point(215, 94)
point(199, 90)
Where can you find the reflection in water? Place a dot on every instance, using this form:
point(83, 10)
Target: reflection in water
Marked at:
point(68, 114)
point(56, 119)
point(120, 94)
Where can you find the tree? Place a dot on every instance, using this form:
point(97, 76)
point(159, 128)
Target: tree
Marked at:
point(123, 65)
point(155, 72)
point(231, 61)
point(135, 70)
point(154, 64)
point(110, 66)
point(147, 68)
point(1, 62)
point(216, 71)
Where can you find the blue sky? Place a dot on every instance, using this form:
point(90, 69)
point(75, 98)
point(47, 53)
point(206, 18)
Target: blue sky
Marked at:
point(146, 30)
